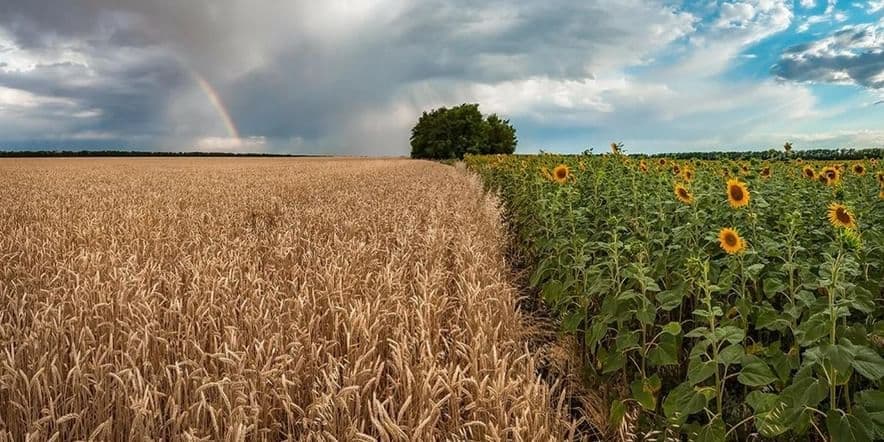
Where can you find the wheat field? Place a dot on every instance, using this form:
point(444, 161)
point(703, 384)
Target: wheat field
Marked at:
point(261, 299)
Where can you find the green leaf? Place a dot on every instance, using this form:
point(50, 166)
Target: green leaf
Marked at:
point(807, 298)
point(730, 333)
point(699, 332)
point(665, 352)
point(699, 371)
point(646, 314)
point(682, 402)
point(626, 339)
point(768, 318)
point(712, 432)
point(618, 410)
point(866, 361)
point(772, 286)
point(775, 415)
point(552, 292)
point(731, 354)
point(572, 322)
point(872, 400)
point(644, 393)
point(812, 330)
point(672, 328)
point(756, 373)
point(835, 359)
point(845, 427)
point(670, 299)
point(873, 422)
point(754, 270)
point(612, 361)
point(780, 363)
point(760, 401)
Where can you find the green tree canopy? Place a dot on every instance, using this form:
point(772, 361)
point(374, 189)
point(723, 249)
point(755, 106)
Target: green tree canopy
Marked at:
point(447, 133)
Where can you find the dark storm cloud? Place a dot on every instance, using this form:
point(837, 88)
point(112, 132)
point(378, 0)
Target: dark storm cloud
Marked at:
point(854, 54)
point(303, 70)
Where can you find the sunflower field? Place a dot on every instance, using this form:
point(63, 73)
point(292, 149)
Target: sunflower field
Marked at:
point(726, 299)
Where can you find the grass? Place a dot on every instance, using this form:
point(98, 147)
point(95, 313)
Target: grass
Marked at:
point(261, 299)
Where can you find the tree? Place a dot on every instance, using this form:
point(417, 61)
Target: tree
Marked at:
point(500, 136)
point(450, 133)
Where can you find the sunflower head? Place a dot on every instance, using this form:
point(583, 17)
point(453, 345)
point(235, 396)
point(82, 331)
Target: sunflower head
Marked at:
point(809, 172)
point(675, 169)
point(729, 240)
point(859, 169)
point(662, 161)
point(765, 172)
point(823, 179)
point(832, 174)
point(561, 173)
point(880, 177)
point(683, 194)
point(643, 166)
point(737, 193)
point(840, 216)
point(744, 168)
point(799, 160)
point(687, 174)
point(851, 238)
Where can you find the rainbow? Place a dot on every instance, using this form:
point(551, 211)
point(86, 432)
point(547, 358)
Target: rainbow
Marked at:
point(216, 102)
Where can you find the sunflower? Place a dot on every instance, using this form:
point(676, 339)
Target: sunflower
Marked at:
point(832, 174)
point(682, 193)
point(643, 166)
point(662, 161)
point(809, 172)
point(687, 174)
point(675, 169)
point(799, 160)
point(545, 172)
point(737, 193)
point(581, 165)
point(765, 172)
point(730, 241)
point(840, 216)
point(561, 173)
point(880, 177)
point(744, 168)
point(823, 179)
point(859, 169)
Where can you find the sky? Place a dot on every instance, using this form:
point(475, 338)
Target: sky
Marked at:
point(351, 77)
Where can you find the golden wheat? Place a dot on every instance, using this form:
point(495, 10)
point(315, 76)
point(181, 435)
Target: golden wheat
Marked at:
point(258, 299)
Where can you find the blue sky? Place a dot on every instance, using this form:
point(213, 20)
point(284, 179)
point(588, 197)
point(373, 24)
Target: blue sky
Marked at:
point(343, 77)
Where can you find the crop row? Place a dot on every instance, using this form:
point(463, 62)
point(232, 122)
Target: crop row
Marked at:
point(728, 299)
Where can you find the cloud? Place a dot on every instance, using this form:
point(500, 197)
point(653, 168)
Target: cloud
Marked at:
point(351, 77)
point(874, 6)
point(850, 55)
point(830, 15)
point(231, 144)
point(312, 71)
